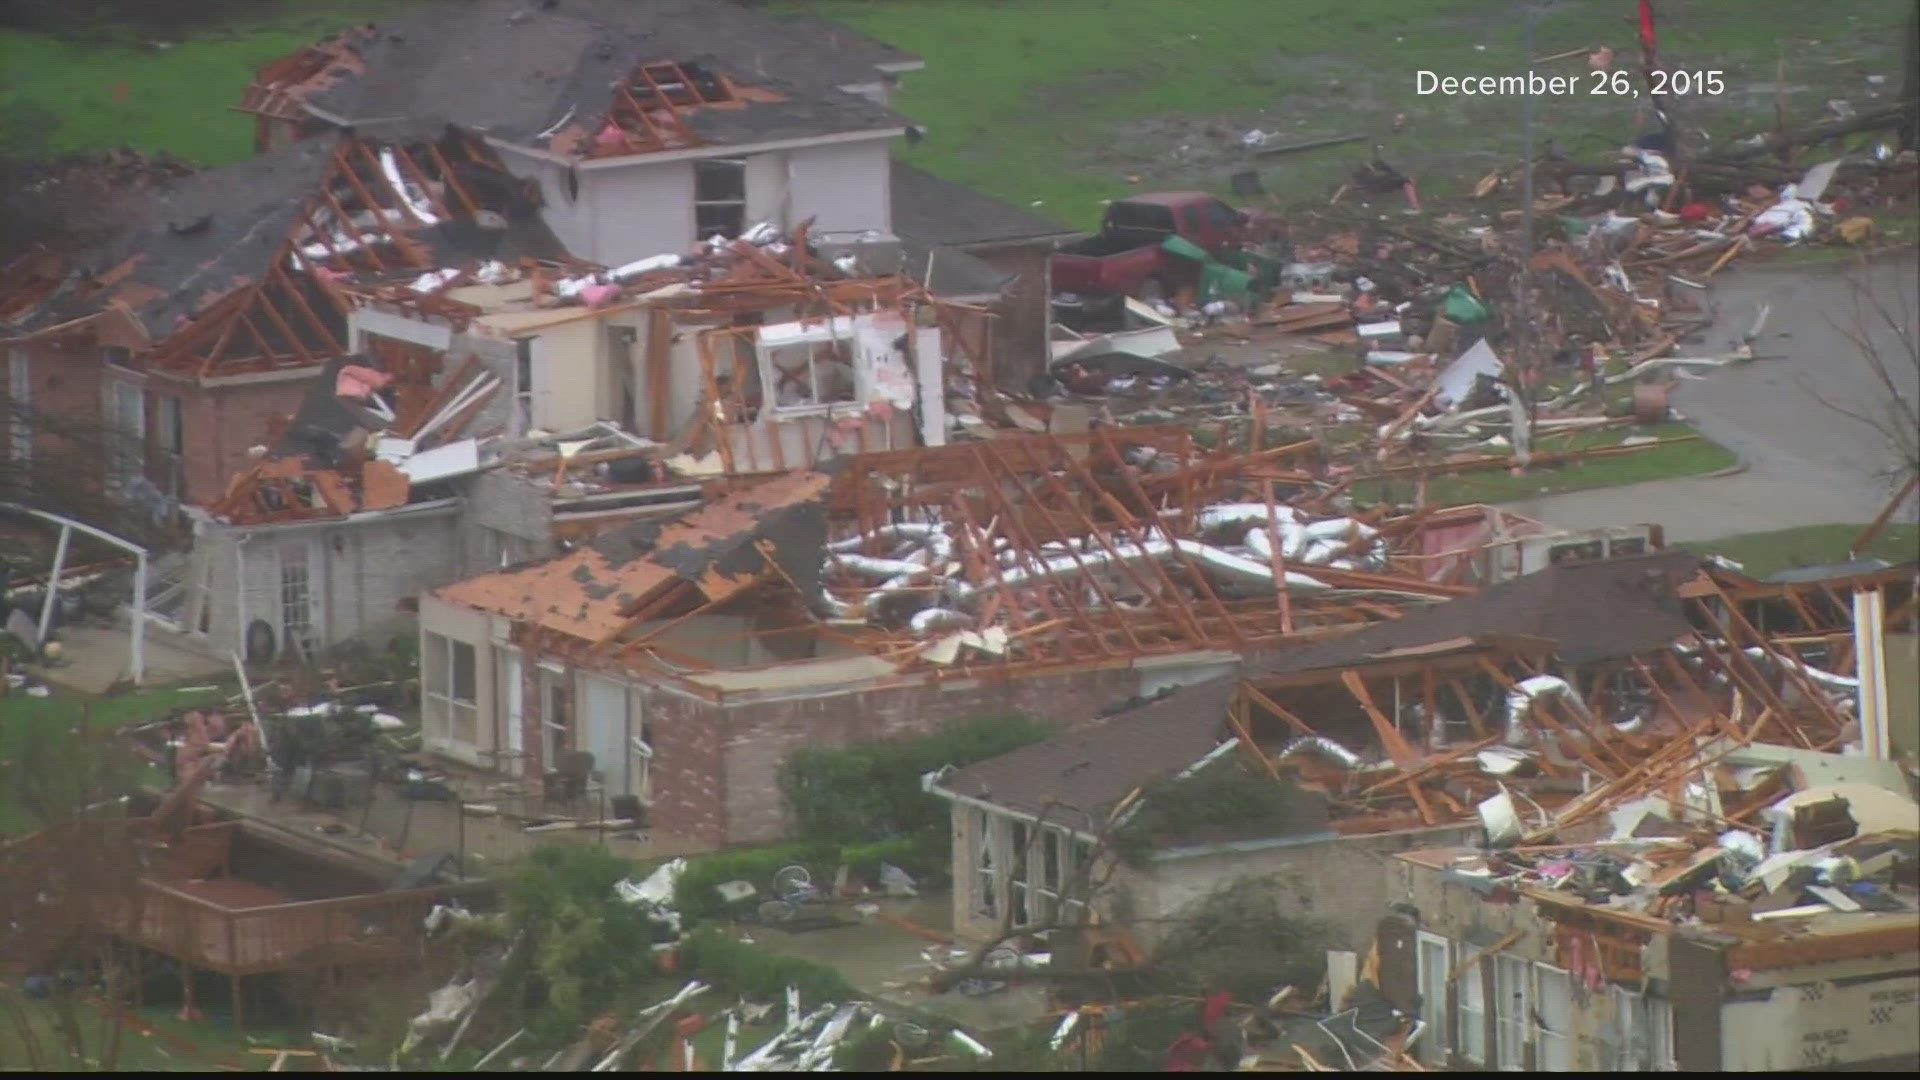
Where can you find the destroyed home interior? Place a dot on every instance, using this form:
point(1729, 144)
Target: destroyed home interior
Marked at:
point(580, 544)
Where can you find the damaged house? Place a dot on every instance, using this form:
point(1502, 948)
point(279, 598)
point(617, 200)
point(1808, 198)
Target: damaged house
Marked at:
point(193, 332)
point(1092, 567)
point(1536, 699)
point(645, 126)
point(648, 127)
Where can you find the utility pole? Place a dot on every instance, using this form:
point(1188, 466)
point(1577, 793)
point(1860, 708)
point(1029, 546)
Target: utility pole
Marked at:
point(1521, 401)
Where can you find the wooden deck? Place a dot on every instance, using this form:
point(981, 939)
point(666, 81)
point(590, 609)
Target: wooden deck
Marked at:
point(238, 928)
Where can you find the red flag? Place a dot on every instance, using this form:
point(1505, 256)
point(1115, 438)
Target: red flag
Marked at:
point(1646, 29)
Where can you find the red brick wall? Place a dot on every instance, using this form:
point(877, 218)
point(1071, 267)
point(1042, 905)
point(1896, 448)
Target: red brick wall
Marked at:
point(716, 768)
point(221, 423)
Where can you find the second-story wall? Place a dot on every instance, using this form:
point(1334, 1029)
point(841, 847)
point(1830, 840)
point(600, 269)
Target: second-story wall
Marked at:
point(619, 211)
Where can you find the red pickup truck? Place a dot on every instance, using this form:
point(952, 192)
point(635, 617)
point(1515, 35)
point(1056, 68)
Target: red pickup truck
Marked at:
point(1125, 254)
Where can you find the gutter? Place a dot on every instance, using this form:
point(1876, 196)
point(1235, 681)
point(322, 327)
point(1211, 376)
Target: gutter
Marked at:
point(711, 151)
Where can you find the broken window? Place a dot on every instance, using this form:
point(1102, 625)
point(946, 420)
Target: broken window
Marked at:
point(719, 197)
point(640, 757)
point(809, 374)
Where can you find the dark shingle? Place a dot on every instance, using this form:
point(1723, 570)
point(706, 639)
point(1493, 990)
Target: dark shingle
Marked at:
point(1085, 773)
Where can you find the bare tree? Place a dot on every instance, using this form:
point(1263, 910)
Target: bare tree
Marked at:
point(60, 885)
point(1881, 335)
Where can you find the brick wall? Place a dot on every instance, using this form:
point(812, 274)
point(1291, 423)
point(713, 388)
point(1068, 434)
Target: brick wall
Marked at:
point(222, 422)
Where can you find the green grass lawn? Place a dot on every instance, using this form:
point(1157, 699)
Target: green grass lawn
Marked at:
point(1695, 457)
point(213, 1039)
point(1767, 553)
point(18, 711)
point(1060, 101)
point(179, 99)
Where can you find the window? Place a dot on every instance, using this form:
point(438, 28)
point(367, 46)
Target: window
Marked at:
point(170, 437)
point(1471, 986)
point(1551, 1019)
point(523, 384)
point(809, 374)
point(449, 675)
point(985, 891)
point(640, 761)
point(1023, 860)
point(296, 600)
point(1658, 1014)
point(1511, 1008)
point(507, 707)
point(1221, 217)
point(127, 418)
point(719, 197)
point(1433, 955)
point(556, 714)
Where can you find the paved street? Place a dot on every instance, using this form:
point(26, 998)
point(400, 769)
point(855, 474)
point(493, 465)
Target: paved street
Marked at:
point(1807, 463)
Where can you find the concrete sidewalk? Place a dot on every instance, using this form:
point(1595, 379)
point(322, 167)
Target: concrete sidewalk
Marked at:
point(1709, 507)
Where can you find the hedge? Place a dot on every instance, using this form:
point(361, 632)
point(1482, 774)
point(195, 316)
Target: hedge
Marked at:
point(871, 791)
point(738, 967)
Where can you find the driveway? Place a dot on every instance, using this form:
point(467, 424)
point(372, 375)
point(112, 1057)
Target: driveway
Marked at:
point(1807, 464)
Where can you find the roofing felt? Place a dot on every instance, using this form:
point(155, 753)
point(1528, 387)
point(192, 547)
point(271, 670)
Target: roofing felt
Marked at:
point(198, 238)
point(1590, 611)
point(515, 71)
point(1086, 772)
point(938, 212)
point(590, 592)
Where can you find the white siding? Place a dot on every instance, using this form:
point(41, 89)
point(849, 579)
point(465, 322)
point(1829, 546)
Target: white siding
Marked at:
point(768, 197)
point(639, 209)
point(842, 186)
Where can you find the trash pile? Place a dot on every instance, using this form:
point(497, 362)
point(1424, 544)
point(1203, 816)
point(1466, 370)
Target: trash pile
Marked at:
point(1844, 847)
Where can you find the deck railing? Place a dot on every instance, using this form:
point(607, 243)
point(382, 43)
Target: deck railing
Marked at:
point(274, 937)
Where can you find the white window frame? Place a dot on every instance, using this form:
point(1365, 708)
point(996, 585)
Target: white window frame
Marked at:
point(508, 701)
point(1434, 993)
point(1512, 1008)
point(299, 594)
point(170, 438)
point(1552, 1050)
point(1471, 994)
point(556, 736)
point(1657, 1016)
point(456, 717)
point(523, 401)
point(986, 865)
point(772, 385)
point(705, 201)
point(640, 756)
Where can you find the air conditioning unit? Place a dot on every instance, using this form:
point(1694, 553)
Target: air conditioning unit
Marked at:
point(875, 254)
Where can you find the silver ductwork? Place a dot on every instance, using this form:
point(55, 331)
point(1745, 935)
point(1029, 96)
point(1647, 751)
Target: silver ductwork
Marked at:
point(1527, 694)
point(1322, 746)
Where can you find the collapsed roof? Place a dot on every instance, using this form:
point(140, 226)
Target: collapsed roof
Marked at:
point(233, 267)
point(561, 76)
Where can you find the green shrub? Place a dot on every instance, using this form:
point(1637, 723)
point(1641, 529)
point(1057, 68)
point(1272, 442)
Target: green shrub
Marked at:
point(696, 895)
point(1224, 801)
point(582, 944)
point(738, 967)
point(870, 792)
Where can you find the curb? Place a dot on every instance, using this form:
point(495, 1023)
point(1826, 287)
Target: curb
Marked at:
point(1731, 470)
